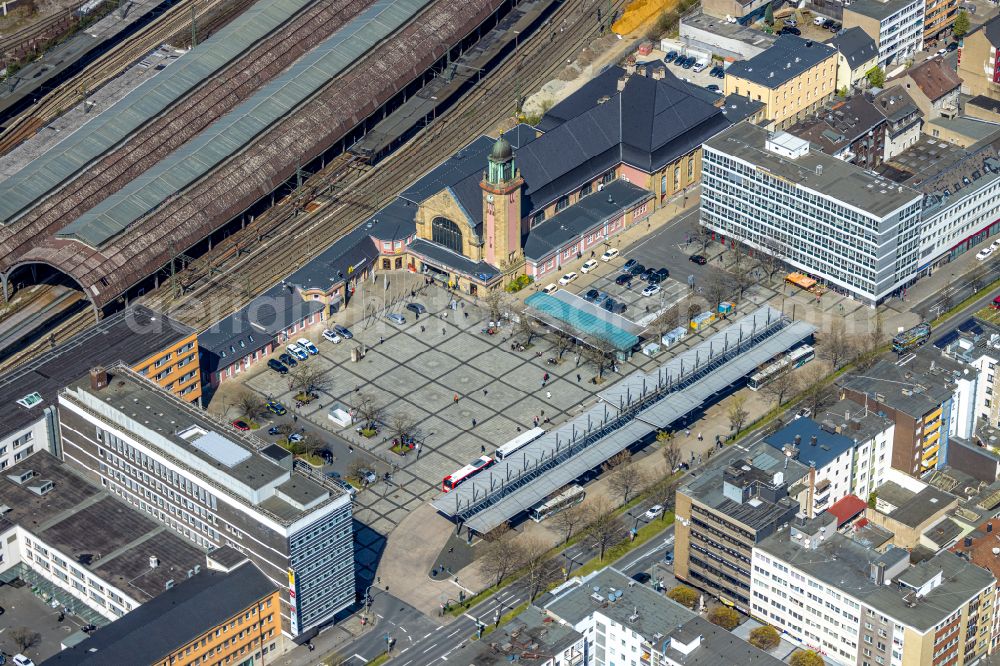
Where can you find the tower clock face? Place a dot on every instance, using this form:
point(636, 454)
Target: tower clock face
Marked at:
point(489, 197)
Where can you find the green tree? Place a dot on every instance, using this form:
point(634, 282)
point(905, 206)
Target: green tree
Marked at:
point(805, 658)
point(769, 15)
point(725, 617)
point(876, 77)
point(872, 499)
point(765, 638)
point(684, 595)
point(961, 26)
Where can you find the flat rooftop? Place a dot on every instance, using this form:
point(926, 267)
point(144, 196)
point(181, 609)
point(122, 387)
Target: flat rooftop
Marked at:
point(131, 336)
point(229, 460)
point(530, 639)
point(95, 530)
point(815, 171)
point(697, 18)
point(877, 9)
point(846, 566)
point(921, 506)
point(916, 388)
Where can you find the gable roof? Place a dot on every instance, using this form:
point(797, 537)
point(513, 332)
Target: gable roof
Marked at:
point(789, 56)
point(934, 78)
point(855, 45)
point(992, 30)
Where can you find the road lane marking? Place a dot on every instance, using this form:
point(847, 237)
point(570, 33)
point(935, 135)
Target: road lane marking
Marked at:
point(403, 629)
point(428, 649)
point(363, 660)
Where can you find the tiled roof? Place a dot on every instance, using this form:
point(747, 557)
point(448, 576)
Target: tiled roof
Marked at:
point(934, 78)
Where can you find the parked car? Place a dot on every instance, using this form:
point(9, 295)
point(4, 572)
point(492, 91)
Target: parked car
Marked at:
point(549, 288)
point(609, 254)
point(614, 306)
point(21, 660)
point(278, 367)
point(601, 297)
point(791, 22)
point(941, 52)
point(629, 264)
point(828, 23)
point(307, 345)
point(331, 336)
point(699, 66)
point(367, 475)
point(295, 437)
point(566, 279)
point(715, 71)
point(953, 46)
point(588, 266)
point(416, 308)
point(698, 259)
point(642, 577)
point(653, 512)
point(651, 290)
point(288, 360)
point(713, 87)
point(623, 279)
point(337, 481)
point(663, 273)
point(670, 57)
point(721, 74)
point(343, 331)
point(669, 557)
point(273, 430)
point(297, 351)
point(591, 295)
point(241, 425)
point(789, 31)
point(655, 277)
point(836, 27)
point(688, 63)
point(636, 269)
point(818, 20)
point(984, 253)
point(646, 273)
point(396, 318)
point(276, 407)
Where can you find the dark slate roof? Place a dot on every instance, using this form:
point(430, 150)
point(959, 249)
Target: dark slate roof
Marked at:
point(253, 327)
point(839, 124)
point(855, 45)
point(895, 103)
point(132, 336)
point(587, 213)
point(984, 102)
point(173, 619)
point(583, 100)
point(878, 9)
point(469, 161)
point(649, 124)
point(457, 262)
point(829, 445)
point(739, 107)
point(787, 58)
point(992, 31)
point(354, 251)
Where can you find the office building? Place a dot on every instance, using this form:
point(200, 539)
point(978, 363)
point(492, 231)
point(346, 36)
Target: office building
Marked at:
point(156, 346)
point(929, 399)
point(624, 623)
point(792, 79)
point(860, 607)
point(214, 617)
point(830, 219)
point(215, 487)
point(979, 60)
point(897, 26)
point(739, 498)
point(857, 54)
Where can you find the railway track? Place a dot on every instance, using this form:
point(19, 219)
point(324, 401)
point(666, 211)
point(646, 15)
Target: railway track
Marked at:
point(354, 193)
point(18, 43)
point(105, 68)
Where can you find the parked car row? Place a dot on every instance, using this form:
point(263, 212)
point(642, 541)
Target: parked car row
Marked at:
point(303, 348)
point(987, 251)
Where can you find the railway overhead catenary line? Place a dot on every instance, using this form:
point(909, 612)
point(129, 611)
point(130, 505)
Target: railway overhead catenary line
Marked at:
point(264, 259)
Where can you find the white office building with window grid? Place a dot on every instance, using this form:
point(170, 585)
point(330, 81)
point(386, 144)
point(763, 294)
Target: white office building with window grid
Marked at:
point(851, 230)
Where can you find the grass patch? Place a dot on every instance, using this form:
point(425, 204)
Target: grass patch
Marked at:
point(379, 660)
point(645, 533)
point(966, 303)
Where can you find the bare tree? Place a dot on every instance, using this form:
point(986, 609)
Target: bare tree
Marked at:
point(977, 277)
point(358, 470)
point(605, 529)
point(772, 256)
point(624, 478)
point(876, 335)
point(369, 411)
point(664, 493)
point(250, 404)
point(816, 392)
point(563, 343)
point(402, 427)
point(501, 553)
point(719, 287)
point(24, 638)
point(692, 310)
point(836, 346)
point(781, 387)
point(702, 235)
point(599, 353)
point(306, 378)
point(743, 268)
point(568, 519)
point(539, 568)
point(665, 322)
point(526, 329)
point(671, 454)
point(737, 412)
point(497, 303)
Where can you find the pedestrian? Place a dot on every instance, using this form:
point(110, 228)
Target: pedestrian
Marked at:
point(456, 398)
point(578, 378)
point(542, 412)
point(466, 315)
point(482, 448)
point(452, 549)
point(485, 392)
point(422, 329)
point(546, 377)
point(295, 418)
point(350, 449)
point(548, 394)
point(474, 424)
point(381, 339)
point(687, 432)
point(443, 331)
point(700, 438)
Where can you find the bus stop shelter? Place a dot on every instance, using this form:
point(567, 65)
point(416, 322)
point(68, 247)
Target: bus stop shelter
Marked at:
point(582, 320)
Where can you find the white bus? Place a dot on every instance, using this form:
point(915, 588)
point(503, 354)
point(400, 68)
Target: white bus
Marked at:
point(790, 361)
point(567, 498)
point(518, 443)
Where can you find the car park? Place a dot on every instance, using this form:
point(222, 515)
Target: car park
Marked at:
point(698, 259)
point(416, 308)
point(307, 345)
point(276, 407)
point(588, 266)
point(288, 360)
point(636, 269)
point(240, 425)
point(331, 336)
point(651, 290)
point(297, 351)
point(278, 367)
point(623, 279)
point(654, 511)
point(566, 279)
point(609, 254)
point(343, 331)
point(629, 264)
point(396, 318)
point(591, 295)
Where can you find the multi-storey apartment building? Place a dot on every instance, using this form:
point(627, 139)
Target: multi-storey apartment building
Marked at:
point(939, 15)
point(897, 26)
point(215, 487)
point(838, 223)
point(979, 60)
point(978, 345)
point(792, 79)
point(859, 607)
point(623, 623)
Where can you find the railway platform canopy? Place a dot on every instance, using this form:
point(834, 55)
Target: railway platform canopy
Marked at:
point(629, 412)
point(150, 99)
